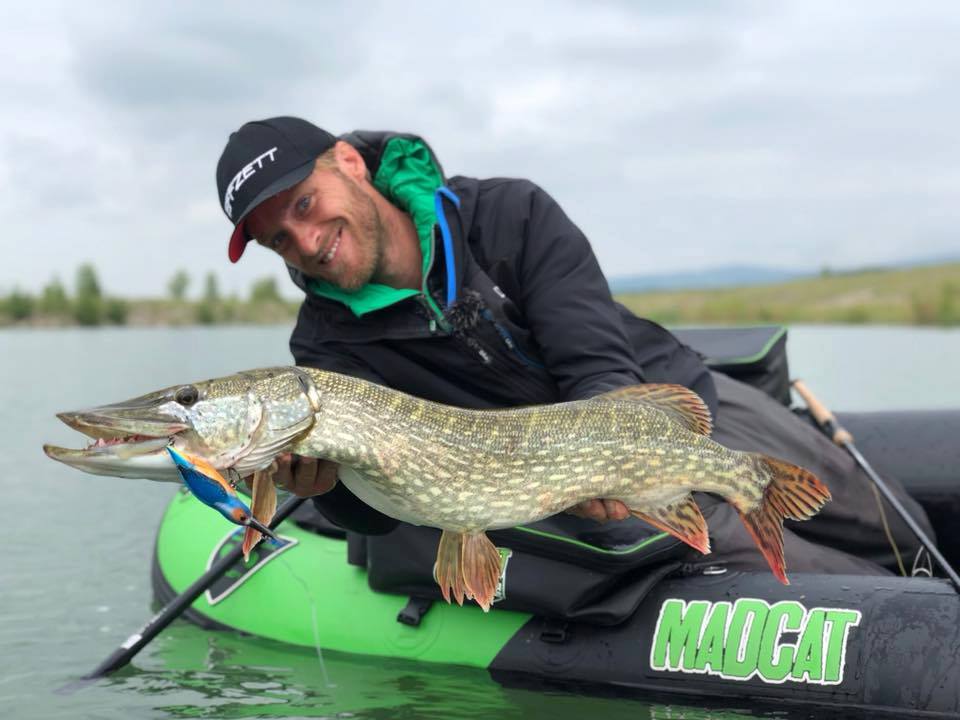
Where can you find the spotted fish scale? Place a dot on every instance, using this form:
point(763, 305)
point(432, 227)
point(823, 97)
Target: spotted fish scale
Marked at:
point(467, 471)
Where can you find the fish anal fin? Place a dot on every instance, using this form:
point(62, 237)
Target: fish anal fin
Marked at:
point(481, 568)
point(263, 504)
point(791, 492)
point(682, 519)
point(682, 404)
point(448, 570)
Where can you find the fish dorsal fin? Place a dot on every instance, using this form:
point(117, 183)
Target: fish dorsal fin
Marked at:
point(681, 404)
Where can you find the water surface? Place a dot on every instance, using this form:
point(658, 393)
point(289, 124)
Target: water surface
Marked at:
point(74, 581)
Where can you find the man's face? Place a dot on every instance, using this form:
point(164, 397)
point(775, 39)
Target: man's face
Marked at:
point(327, 226)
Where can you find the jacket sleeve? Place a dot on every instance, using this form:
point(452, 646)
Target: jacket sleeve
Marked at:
point(567, 304)
point(339, 506)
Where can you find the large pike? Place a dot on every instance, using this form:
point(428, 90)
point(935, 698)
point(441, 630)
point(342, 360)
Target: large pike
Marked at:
point(463, 471)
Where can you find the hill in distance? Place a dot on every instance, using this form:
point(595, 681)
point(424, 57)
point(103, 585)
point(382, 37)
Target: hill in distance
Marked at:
point(728, 276)
point(725, 276)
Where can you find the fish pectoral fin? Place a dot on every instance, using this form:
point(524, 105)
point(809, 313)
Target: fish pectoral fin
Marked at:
point(481, 568)
point(682, 519)
point(263, 504)
point(448, 572)
point(683, 405)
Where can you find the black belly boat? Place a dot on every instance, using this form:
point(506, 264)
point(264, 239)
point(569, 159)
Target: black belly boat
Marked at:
point(614, 612)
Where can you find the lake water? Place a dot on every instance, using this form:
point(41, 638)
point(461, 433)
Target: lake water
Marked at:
point(74, 581)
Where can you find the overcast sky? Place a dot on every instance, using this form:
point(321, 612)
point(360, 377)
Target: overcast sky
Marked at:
point(678, 135)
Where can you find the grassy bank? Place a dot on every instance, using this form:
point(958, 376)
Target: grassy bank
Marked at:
point(914, 296)
point(89, 305)
point(156, 312)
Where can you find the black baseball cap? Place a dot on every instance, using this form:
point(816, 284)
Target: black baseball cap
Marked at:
point(261, 159)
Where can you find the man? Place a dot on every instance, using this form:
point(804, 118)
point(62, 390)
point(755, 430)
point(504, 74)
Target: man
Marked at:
point(482, 293)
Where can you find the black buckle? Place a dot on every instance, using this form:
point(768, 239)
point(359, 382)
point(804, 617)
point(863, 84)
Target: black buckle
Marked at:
point(414, 611)
point(554, 631)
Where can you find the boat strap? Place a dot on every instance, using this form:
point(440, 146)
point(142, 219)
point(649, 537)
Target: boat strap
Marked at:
point(554, 631)
point(414, 611)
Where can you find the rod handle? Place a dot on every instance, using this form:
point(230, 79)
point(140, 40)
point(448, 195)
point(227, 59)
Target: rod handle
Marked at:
point(822, 414)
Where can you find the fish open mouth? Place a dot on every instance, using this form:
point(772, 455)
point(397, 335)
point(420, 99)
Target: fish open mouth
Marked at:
point(120, 446)
point(120, 440)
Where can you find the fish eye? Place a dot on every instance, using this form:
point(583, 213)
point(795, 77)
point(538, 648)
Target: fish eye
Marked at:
point(187, 395)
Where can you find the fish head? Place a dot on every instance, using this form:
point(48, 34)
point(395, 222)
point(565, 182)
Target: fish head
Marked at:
point(239, 422)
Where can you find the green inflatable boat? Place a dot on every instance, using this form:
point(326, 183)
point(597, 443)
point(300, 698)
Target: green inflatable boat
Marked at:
point(874, 645)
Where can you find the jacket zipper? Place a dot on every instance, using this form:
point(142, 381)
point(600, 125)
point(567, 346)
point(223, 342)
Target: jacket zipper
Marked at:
point(428, 303)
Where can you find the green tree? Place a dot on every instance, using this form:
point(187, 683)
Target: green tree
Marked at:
point(19, 305)
point(265, 291)
point(54, 300)
point(87, 283)
point(115, 310)
point(204, 313)
point(211, 289)
point(207, 310)
point(88, 306)
point(178, 285)
point(228, 309)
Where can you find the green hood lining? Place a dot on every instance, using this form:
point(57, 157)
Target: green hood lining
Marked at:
point(408, 177)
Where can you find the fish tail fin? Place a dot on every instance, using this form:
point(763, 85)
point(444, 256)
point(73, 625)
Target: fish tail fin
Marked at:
point(791, 492)
point(682, 519)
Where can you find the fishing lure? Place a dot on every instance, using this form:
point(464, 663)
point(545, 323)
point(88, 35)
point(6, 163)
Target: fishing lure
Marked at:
point(210, 488)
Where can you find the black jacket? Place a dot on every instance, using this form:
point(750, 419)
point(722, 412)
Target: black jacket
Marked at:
point(533, 321)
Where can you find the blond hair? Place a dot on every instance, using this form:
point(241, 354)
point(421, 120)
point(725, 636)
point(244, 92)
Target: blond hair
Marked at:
point(328, 161)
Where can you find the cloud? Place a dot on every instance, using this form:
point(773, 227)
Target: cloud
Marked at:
point(677, 135)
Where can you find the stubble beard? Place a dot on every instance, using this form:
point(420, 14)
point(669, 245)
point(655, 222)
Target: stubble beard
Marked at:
point(369, 235)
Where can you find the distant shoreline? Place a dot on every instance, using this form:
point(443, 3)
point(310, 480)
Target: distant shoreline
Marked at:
point(923, 296)
point(169, 313)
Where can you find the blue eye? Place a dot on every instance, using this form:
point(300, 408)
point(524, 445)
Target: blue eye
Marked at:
point(275, 243)
point(303, 204)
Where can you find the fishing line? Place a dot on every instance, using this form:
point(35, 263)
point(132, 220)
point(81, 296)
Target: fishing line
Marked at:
point(313, 618)
point(886, 529)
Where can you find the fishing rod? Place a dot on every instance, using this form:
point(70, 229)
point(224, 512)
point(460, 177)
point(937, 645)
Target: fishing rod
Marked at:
point(829, 424)
point(173, 609)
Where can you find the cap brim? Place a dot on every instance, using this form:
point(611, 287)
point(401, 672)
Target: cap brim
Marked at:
point(238, 242)
point(239, 237)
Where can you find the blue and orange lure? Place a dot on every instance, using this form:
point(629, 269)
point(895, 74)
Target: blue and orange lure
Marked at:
point(210, 488)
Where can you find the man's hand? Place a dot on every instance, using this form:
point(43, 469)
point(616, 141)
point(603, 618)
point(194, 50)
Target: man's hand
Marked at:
point(303, 476)
point(600, 510)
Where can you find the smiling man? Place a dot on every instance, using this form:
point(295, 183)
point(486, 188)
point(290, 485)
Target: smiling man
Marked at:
point(483, 293)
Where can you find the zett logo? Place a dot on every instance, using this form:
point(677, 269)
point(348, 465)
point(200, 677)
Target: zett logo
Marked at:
point(241, 177)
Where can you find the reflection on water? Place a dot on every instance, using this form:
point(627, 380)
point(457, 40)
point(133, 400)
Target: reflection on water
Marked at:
point(205, 674)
